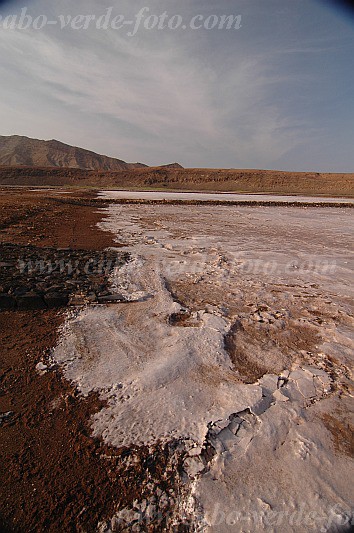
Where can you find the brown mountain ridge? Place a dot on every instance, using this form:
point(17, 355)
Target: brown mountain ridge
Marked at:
point(17, 150)
point(30, 162)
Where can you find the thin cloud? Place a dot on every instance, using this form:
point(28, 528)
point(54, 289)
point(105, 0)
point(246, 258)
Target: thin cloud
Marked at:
point(157, 97)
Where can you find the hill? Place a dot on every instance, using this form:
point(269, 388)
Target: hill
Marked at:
point(253, 181)
point(25, 161)
point(16, 150)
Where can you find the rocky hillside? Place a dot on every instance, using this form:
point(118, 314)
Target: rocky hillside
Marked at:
point(237, 180)
point(16, 150)
point(25, 161)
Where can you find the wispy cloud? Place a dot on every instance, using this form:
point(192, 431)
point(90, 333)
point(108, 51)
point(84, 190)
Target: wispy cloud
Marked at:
point(156, 97)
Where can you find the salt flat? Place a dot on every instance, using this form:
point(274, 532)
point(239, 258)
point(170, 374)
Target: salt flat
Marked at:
point(235, 338)
point(223, 197)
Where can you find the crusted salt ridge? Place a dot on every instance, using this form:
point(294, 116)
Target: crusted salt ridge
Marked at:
point(140, 361)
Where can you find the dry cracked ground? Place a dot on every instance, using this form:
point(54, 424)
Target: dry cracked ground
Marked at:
point(203, 382)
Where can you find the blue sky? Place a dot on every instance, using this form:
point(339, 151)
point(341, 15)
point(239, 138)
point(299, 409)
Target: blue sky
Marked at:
point(275, 93)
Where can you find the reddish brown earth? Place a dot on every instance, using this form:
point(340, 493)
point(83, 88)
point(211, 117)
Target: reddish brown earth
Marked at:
point(54, 476)
point(45, 219)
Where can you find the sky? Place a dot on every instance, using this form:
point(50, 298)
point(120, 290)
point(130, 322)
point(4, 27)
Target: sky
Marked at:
point(273, 92)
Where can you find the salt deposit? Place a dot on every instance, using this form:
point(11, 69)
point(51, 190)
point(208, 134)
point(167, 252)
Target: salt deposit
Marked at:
point(277, 284)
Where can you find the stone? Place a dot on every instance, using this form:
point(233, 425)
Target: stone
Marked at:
point(128, 515)
point(164, 501)
point(291, 391)
point(297, 374)
point(193, 466)
point(54, 300)
point(7, 301)
point(143, 505)
point(315, 371)
point(111, 298)
point(54, 289)
point(36, 272)
point(20, 291)
point(151, 512)
point(269, 382)
point(41, 367)
point(5, 416)
point(306, 387)
point(30, 301)
point(78, 299)
point(279, 397)
point(227, 438)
